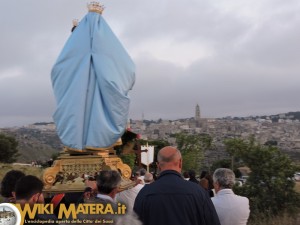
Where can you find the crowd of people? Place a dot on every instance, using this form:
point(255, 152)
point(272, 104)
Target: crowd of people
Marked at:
point(173, 197)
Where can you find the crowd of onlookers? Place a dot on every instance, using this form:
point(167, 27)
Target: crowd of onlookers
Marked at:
point(173, 197)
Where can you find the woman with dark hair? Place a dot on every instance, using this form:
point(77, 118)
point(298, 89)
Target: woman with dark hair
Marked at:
point(8, 185)
point(192, 175)
point(206, 182)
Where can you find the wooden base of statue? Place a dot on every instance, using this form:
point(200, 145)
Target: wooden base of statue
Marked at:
point(68, 171)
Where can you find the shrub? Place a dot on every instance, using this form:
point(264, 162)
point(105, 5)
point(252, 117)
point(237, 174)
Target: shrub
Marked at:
point(270, 187)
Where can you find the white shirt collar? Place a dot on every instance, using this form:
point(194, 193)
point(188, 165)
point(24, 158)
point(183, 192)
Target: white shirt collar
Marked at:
point(105, 197)
point(225, 191)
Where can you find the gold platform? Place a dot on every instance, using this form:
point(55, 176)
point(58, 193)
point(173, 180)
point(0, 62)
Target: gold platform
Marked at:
point(68, 171)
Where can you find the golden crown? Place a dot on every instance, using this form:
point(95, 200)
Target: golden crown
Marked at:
point(95, 7)
point(75, 22)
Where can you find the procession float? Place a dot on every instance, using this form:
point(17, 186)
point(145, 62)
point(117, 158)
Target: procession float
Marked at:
point(91, 80)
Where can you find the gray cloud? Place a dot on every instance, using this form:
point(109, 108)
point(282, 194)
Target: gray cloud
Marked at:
point(232, 58)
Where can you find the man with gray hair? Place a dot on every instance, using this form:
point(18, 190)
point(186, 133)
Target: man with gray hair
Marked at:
point(231, 208)
point(170, 200)
point(108, 182)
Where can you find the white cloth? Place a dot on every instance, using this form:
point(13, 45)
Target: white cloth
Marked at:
point(232, 209)
point(105, 197)
point(127, 197)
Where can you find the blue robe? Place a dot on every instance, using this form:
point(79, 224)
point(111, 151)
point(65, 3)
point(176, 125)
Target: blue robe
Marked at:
point(91, 80)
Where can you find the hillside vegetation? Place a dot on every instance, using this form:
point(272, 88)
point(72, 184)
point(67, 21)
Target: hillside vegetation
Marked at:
point(35, 145)
point(28, 170)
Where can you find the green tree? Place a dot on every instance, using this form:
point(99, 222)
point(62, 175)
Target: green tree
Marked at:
point(225, 163)
point(192, 147)
point(222, 163)
point(234, 145)
point(270, 186)
point(8, 149)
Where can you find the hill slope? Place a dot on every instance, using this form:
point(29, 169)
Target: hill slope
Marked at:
point(34, 144)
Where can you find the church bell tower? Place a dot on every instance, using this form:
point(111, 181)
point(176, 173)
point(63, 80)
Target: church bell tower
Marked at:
point(197, 113)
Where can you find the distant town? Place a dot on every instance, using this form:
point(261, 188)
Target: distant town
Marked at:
point(40, 140)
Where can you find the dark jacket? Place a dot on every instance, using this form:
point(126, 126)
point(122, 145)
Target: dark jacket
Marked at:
point(171, 200)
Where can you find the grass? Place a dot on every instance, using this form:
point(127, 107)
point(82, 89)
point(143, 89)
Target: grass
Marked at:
point(28, 170)
point(280, 220)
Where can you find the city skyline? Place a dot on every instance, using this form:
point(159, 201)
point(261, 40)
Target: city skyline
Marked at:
point(232, 58)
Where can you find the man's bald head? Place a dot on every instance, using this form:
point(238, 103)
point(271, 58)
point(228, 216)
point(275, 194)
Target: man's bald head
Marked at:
point(169, 158)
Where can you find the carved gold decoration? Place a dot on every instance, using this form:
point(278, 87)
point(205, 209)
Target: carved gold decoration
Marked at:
point(125, 169)
point(67, 173)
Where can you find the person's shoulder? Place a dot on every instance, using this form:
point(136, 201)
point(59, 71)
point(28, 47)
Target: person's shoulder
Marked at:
point(138, 187)
point(148, 187)
point(195, 189)
point(98, 200)
point(215, 200)
point(242, 198)
point(192, 185)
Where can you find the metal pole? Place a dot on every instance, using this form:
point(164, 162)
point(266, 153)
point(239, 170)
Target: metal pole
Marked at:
point(147, 158)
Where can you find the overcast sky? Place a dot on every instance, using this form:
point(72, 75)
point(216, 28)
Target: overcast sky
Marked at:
point(232, 57)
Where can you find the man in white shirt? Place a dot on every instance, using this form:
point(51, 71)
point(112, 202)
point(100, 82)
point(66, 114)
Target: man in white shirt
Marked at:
point(108, 182)
point(231, 208)
point(128, 196)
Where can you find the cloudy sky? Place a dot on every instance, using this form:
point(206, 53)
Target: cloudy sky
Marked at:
point(232, 57)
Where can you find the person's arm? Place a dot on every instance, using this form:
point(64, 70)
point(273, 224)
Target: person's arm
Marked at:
point(210, 213)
